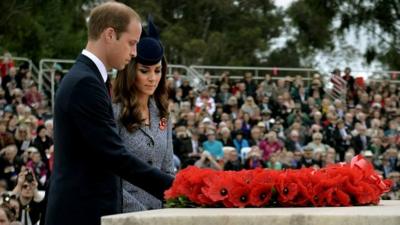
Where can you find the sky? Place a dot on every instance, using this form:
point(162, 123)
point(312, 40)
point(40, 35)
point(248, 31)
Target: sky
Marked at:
point(348, 52)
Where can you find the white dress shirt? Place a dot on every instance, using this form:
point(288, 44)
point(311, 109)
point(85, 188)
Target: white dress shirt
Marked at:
point(98, 62)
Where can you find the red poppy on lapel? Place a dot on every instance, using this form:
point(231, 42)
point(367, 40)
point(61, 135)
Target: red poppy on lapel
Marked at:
point(163, 123)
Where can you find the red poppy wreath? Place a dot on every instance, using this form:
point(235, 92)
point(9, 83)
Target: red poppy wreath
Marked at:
point(337, 185)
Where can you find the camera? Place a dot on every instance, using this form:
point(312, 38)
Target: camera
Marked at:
point(29, 177)
point(7, 197)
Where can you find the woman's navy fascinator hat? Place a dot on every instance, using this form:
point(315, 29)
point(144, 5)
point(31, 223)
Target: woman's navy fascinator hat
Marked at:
point(149, 49)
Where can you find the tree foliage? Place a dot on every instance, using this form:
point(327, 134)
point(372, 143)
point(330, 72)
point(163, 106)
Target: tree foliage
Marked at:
point(318, 22)
point(224, 32)
point(42, 28)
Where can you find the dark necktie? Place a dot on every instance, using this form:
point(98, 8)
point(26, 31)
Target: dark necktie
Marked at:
point(109, 86)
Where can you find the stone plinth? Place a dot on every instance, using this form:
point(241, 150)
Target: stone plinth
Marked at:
point(387, 213)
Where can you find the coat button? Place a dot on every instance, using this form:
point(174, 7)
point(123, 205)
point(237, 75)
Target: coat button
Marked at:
point(150, 162)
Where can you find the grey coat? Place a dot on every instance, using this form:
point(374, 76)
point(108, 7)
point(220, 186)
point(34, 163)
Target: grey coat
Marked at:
point(154, 146)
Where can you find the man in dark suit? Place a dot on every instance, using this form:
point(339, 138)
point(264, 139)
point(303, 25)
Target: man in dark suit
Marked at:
point(89, 154)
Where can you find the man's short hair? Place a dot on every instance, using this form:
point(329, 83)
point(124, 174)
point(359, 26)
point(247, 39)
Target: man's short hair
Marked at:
point(110, 14)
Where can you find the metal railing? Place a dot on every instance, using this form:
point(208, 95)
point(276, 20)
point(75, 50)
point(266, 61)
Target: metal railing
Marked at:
point(32, 68)
point(47, 75)
point(195, 78)
point(44, 76)
point(236, 72)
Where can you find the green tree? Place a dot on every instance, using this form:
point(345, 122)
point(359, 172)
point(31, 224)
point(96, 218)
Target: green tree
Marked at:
point(39, 28)
point(318, 22)
point(224, 32)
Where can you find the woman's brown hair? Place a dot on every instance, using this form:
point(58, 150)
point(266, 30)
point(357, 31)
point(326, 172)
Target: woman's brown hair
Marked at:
point(125, 94)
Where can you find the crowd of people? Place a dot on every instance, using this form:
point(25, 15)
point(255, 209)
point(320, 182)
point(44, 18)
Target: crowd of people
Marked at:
point(226, 125)
point(286, 123)
point(25, 144)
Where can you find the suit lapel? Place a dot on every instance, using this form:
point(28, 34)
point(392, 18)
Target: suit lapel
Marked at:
point(154, 117)
point(154, 121)
point(86, 60)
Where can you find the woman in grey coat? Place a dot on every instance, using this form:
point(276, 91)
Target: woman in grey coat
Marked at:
point(141, 111)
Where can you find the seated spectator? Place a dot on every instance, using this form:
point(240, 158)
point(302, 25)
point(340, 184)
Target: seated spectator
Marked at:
point(384, 166)
point(254, 159)
point(39, 168)
point(376, 146)
point(270, 144)
point(269, 85)
point(247, 124)
point(6, 138)
point(217, 117)
point(296, 162)
point(182, 143)
point(224, 95)
point(375, 129)
point(302, 131)
point(6, 64)
point(392, 129)
point(293, 143)
point(10, 77)
point(226, 137)
point(213, 146)
point(49, 126)
point(348, 156)
point(10, 165)
point(288, 101)
point(308, 159)
point(232, 161)
point(22, 138)
point(361, 140)
point(250, 83)
point(33, 97)
point(186, 88)
point(256, 134)
point(369, 156)
point(7, 217)
point(393, 156)
point(31, 201)
point(240, 142)
point(12, 124)
point(286, 158)
point(273, 162)
point(208, 161)
point(316, 145)
point(205, 103)
point(250, 107)
point(394, 193)
point(43, 142)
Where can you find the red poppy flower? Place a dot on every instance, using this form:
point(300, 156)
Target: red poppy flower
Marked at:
point(286, 187)
point(266, 177)
point(240, 196)
point(261, 194)
point(217, 187)
point(202, 199)
point(163, 123)
point(366, 195)
point(171, 193)
point(189, 182)
point(342, 198)
point(243, 177)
